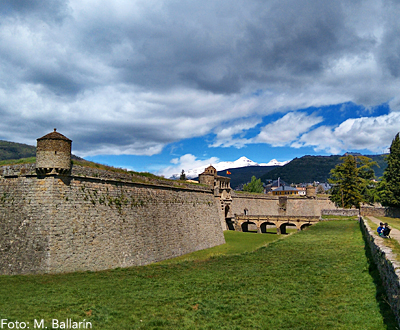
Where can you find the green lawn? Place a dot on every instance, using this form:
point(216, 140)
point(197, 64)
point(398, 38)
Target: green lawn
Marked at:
point(236, 242)
point(29, 160)
point(319, 278)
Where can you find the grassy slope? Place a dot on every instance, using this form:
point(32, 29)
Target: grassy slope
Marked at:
point(29, 160)
point(317, 279)
point(236, 242)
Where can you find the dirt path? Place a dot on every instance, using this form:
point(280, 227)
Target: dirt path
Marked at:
point(394, 234)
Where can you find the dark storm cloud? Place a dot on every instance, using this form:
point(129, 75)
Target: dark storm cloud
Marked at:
point(46, 10)
point(132, 76)
point(285, 38)
point(56, 82)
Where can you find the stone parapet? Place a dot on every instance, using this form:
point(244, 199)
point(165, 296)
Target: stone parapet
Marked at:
point(126, 176)
point(380, 211)
point(389, 268)
point(341, 212)
point(18, 170)
point(21, 170)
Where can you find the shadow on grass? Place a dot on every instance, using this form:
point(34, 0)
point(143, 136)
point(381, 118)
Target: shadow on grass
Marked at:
point(381, 297)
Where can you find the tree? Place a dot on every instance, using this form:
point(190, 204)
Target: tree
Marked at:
point(254, 186)
point(368, 187)
point(320, 189)
point(183, 175)
point(352, 181)
point(389, 188)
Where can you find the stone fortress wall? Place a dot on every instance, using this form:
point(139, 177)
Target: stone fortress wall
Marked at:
point(279, 206)
point(74, 223)
point(55, 217)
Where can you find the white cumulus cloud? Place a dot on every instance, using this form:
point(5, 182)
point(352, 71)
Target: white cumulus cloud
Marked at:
point(371, 133)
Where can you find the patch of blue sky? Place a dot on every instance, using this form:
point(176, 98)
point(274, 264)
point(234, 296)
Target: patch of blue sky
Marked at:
point(200, 147)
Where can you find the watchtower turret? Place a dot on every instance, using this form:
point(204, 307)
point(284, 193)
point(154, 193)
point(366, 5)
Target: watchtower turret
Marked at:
point(208, 176)
point(311, 192)
point(53, 154)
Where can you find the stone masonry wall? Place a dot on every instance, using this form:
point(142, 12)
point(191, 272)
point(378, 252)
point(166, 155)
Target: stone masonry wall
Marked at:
point(53, 154)
point(380, 211)
point(64, 224)
point(341, 212)
point(273, 205)
point(389, 268)
point(24, 225)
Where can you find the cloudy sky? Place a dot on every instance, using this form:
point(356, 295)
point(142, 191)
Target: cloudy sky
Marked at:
point(165, 85)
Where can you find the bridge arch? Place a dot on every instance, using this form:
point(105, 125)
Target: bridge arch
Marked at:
point(305, 225)
point(262, 223)
point(271, 226)
point(247, 225)
point(283, 226)
point(227, 209)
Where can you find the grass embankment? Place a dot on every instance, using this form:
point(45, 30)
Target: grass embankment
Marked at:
point(236, 243)
point(317, 279)
point(29, 160)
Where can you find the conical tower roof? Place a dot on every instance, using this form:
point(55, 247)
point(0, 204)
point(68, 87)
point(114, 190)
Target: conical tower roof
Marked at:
point(54, 136)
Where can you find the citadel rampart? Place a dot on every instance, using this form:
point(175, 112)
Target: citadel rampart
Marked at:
point(55, 217)
point(58, 223)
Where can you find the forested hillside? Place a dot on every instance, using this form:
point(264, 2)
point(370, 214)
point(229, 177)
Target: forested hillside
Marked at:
point(12, 150)
point(315, 168)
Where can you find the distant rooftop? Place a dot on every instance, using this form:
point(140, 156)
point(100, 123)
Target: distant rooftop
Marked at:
point(286, 188)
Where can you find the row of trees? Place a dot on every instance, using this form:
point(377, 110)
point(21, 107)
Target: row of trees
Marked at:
point(354, 180)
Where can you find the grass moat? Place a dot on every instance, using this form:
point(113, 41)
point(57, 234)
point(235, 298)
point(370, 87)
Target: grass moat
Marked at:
point(320, 278)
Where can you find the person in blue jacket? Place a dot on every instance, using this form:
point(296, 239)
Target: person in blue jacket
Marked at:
point(380, 229)
point(386, 230)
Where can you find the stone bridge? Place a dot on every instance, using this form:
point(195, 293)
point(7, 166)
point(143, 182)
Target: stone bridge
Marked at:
point(262, 222)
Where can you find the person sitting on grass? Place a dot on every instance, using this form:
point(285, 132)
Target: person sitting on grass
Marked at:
point(380, 229)
point(386, 230)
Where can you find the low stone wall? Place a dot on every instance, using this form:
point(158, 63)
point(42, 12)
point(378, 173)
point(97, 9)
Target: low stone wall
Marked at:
point(389, 268)
point(341, 212)
point(380, 211)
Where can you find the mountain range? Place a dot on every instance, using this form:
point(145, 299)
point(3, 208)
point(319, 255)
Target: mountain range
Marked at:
point(315, 168)
point(221, 166)
point(306, 169)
